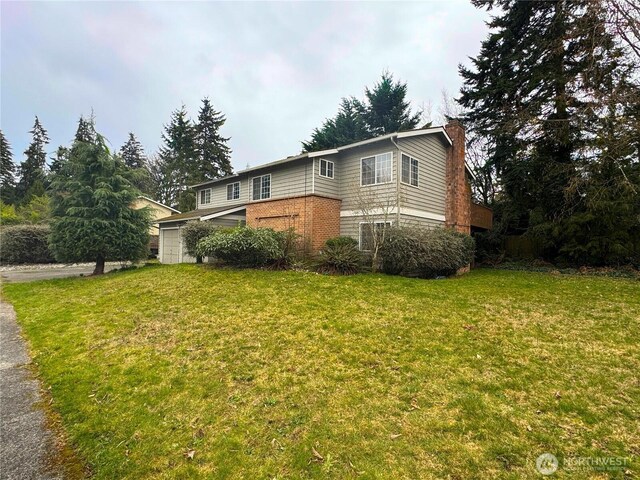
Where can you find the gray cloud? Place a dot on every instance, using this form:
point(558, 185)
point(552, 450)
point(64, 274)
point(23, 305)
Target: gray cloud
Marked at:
point(276, 70)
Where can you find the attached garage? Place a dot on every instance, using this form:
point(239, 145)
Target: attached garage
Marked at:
point(170, 249)
point(170, 243)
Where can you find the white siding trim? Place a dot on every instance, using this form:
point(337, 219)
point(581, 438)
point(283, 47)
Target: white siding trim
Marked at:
point(220, 214)
point(323, 152)
point(403, 211)
point(426, 131)
point(373, 211)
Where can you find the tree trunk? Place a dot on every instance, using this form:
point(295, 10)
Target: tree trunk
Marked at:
point(198, 259)
point(99, 270)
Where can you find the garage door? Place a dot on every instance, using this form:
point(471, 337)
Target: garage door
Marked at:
point(170, 246)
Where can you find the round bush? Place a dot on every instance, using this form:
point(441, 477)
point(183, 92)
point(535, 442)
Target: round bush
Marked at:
point(425, 253)
point(25, 244)
point(193, 232)
point(244, 246)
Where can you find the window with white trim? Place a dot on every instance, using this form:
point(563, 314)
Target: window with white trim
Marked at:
point(233, 191)
point(326, 168)
point(261, 187)
point(368, 230)
point(205, 196)
point(377, 169)
point(409, 170)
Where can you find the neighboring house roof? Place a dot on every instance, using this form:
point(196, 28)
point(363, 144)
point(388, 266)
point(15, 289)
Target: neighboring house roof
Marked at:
point(158, 203)
point(203, 213)
point(293, 158)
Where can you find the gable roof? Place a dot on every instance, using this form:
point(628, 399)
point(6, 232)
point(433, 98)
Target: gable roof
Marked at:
point(202, 212)
point(293, 158)
point(158, 203)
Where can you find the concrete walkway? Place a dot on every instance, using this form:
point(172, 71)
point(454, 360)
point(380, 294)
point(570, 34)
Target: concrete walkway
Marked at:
point(26, 445)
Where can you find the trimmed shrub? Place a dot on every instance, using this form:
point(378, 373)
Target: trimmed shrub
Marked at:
point(425, 253)
point(25, 244)
point(340, 256)
point(244, 246)
point(341, 241)
point(193, 232)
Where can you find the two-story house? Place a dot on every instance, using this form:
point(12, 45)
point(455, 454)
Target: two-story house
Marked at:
point(417, 177)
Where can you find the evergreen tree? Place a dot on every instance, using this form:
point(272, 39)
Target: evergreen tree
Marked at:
point(86, 131)
point(133, 156)
point(179, 157)
point(538, 92)
point(31, 171)
point(7, 171)
point(214, 156)
point(385, 110)
point(92, 215)
point(61, 156)
point(348, 126)
point(132, 153)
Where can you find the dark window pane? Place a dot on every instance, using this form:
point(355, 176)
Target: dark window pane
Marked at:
point(368, 171)
point(406, 169)
point(256, 188)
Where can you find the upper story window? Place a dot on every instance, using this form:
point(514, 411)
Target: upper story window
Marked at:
point(233, 191)
point(326, 168)
point(261, 187)
point(377, 169)
point(409, 170)
point(205, 196)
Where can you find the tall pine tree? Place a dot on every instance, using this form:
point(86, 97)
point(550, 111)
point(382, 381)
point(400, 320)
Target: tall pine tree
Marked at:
point(32, 170)
point(7, 171)
point(214, 156)
point(134, 158)
point(384, 110)
point(132, 153)
point(179, 157)
point(538, 93)
point(86, 131)
point(61, 156)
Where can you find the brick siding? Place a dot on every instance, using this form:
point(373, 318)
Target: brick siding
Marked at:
point(314, 217)
point(458, 201)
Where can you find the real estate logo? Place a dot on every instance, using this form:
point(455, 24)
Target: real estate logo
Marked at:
point(547, 464)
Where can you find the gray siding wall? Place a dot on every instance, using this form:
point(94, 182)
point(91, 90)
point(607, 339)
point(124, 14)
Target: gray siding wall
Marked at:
point(328, 187)
point(411, 221)
point(431, 154)
point(219, 193)
point(349, 176)
point(289, 180)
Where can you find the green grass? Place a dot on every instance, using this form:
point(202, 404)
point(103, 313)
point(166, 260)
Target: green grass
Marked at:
point(262, 373)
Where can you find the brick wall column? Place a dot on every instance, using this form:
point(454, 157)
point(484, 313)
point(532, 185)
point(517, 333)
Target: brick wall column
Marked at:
point(313, 217)
point(458, 192)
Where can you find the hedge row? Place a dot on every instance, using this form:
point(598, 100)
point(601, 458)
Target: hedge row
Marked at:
point(25, 244)
point(414, 252)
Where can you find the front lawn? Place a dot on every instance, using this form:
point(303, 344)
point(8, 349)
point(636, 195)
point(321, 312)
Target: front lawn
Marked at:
point(188, 372)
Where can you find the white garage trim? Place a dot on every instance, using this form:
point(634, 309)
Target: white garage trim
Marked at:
point(220, 214)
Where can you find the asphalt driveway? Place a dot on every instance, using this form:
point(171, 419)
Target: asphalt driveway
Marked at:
point(32, 273)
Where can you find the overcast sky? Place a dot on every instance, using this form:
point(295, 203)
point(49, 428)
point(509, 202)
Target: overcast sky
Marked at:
point(276, 70)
